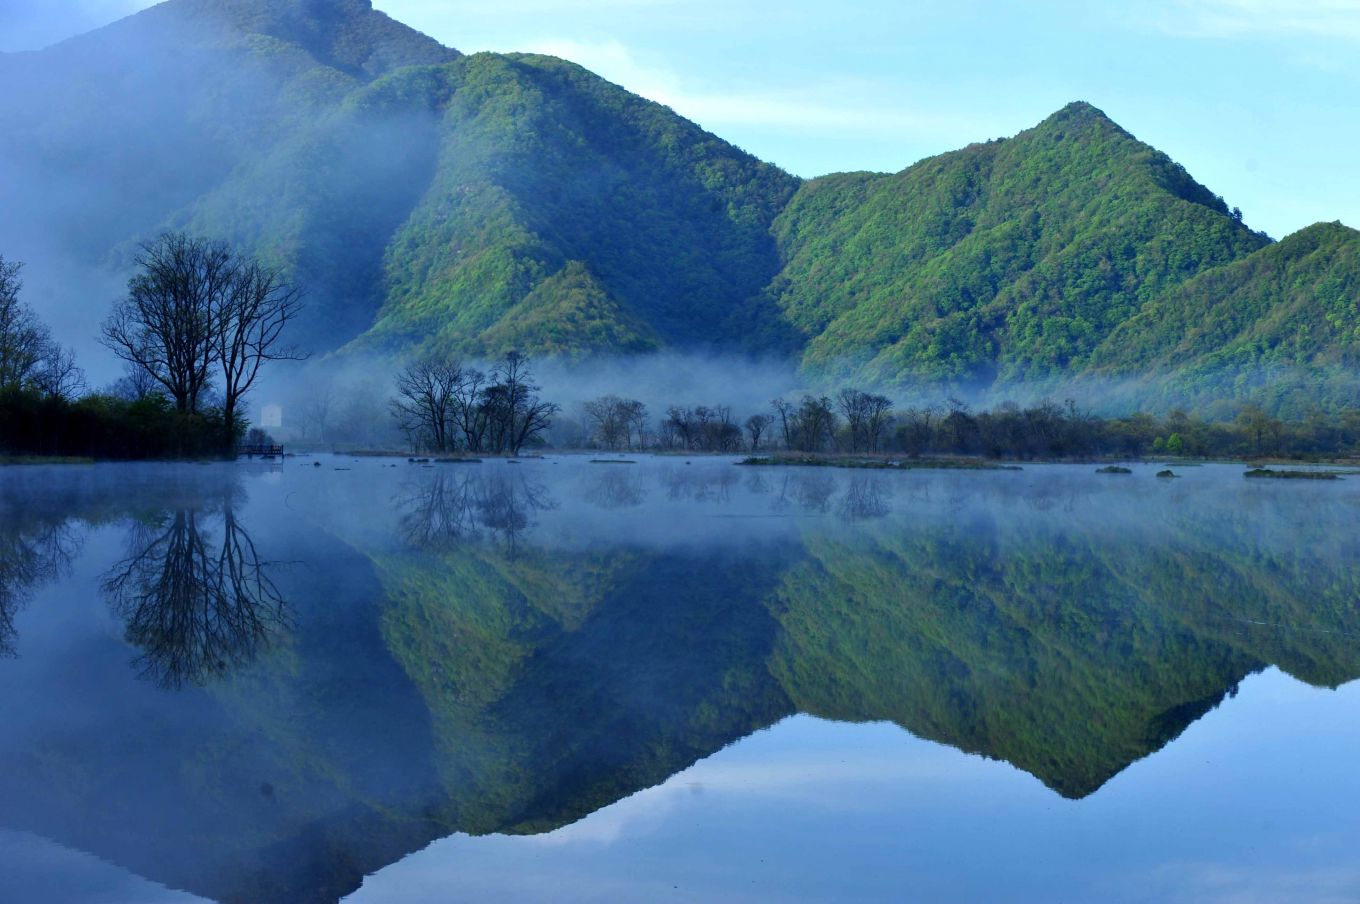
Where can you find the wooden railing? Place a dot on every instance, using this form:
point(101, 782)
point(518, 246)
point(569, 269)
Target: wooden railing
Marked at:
point(262, 451)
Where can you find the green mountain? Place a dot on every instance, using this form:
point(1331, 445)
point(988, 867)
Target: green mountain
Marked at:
point(429, 199)
point(1282, 323)
point(1004, 261)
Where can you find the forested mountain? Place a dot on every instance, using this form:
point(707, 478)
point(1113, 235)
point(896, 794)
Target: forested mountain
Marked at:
point(431, 200)
point(1007, 260)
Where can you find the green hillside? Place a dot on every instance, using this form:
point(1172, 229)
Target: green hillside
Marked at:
point(1003, 261)
point(566, 215)
point(1283, 322)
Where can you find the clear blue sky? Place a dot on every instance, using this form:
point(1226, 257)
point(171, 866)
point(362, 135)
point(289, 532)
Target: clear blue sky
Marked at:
point(1260, 99)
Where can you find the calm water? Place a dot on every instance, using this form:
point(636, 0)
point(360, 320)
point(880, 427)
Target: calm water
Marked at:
point(674, 681)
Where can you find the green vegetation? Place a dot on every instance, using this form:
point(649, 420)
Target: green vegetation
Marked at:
point(1005, 261)
point(1270, 474)
point(1113, 469)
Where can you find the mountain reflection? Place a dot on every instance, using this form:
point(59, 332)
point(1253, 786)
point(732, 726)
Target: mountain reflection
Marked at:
point(195, 595)
point(506, 649)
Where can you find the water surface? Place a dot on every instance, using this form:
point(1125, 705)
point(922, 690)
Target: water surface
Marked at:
point(675, 680)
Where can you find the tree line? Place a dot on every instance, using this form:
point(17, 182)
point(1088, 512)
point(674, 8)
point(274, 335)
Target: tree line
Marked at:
point(858, 422)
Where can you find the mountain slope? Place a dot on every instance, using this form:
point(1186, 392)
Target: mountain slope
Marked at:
point(1282, 321)
point(546, 170)
point(1008, 260)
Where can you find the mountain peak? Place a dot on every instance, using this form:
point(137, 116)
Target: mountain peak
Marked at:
point(349, 35)
point(1078, 115)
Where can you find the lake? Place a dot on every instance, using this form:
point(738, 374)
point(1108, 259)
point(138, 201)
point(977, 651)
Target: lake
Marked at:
point(370, 680)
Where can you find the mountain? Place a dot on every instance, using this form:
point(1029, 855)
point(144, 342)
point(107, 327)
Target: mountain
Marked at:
point(470, 204)
point(421, 196)
point(1004, 261)
point(1283, 321)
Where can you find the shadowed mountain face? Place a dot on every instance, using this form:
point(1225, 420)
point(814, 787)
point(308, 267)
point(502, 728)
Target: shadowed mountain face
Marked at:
point(294, 696)
point(430, 200)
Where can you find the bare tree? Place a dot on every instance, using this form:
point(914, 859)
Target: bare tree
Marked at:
point(470, 410)
point(59, 377)
point(249, 319)
point(425, 399)
point(635, 413)
point(608, 425)
point(168, 323)
point(787, 412)
point(756, 427)
point(866, 418)
point(134, 385)
point(614, 422)
point(317, 408)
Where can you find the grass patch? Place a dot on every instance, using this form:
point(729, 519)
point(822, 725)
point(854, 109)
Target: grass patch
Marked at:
point(1271, 474)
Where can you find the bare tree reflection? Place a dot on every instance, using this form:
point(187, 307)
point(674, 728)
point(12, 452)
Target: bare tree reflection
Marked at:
point(196, 596)
point(30, 555)
point(615, 487)
point(450, 509)
point(700, 484)
point(865, 498)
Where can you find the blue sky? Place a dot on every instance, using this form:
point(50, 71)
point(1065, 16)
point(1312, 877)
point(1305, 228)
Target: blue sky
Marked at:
point(1258, 98)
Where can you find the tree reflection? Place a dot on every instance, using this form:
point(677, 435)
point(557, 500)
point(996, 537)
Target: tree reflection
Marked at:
point(30, 554)
point(451, 509)
point(195, 595)
point(615, 487)
point(865, 498)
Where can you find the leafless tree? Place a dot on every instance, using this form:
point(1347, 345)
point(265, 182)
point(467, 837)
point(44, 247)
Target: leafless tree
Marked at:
point(59, 377)
point(249, 320)
point(787, 412)
point(756, 427)
point(425, 399)
point(616, 422)
point(866, 417)
point(317, 408)
point(470, 410)
point(168, 323)
point(134, 385)
point(197, 310)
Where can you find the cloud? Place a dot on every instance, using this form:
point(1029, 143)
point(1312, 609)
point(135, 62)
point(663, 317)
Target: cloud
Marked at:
point(1330, 19)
